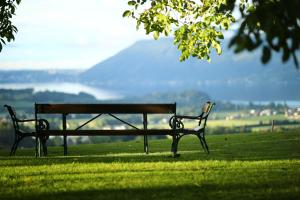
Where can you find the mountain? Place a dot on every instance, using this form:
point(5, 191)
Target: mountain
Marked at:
point(153, 66)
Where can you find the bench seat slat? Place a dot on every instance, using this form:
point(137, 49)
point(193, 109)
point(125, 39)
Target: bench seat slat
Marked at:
point(106, 132)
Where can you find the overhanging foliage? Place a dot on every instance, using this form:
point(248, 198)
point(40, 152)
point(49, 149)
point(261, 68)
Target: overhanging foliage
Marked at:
point(198, 26)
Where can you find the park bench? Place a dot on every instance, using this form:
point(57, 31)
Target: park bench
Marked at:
point(19, 133)
point(176, 131)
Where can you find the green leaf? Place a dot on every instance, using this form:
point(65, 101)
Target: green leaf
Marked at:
point(156, 35)
point(127, 13)
point(221, 36)
point(251, 9)
point(209, 59)
point(138, 23)
point(219, 49)
point(3, 41)
point(131, 3)
point(217, 46)
point(286, 54)
point(153, 3)
point(225, 24)
point(266, 55)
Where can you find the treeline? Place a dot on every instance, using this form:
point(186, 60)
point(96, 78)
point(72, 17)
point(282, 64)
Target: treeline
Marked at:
point(23, 100)
point(230, 106)
point(188, 102)
point(7, 95)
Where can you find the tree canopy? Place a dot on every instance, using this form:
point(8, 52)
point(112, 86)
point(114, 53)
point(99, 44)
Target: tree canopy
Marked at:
point(198, 26)
point(7, 29)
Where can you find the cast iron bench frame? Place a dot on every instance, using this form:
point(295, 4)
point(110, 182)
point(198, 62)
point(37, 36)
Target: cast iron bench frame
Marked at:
point(199, 131)
point(100, 109)
point(176, 131)
point(21, 134)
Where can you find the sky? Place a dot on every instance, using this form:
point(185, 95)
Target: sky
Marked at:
point(68, 34)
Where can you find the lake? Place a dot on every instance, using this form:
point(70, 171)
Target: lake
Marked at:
point(72, 88)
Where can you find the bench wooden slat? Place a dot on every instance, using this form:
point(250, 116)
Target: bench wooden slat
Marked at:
point(105, 108)
point(107, 132)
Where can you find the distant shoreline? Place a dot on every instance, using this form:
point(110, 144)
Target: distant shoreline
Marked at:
point(65, 87)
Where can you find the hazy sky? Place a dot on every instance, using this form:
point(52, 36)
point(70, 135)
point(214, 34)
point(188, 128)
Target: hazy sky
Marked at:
point(64, 34)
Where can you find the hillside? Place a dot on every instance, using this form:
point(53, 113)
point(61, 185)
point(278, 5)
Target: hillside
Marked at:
point(153, 66)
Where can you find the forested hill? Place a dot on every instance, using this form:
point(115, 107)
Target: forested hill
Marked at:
point(188, 102)
point(24, 99)
point(150, 66)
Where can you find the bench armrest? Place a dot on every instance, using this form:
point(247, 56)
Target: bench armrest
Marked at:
point(26, 120)
point(177, 120)
point(42, 124)
point(187, 117)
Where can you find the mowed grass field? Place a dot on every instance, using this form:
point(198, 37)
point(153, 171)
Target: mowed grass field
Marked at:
point(240, 166)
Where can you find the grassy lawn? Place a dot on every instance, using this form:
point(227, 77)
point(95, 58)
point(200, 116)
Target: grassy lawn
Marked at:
point(240, 166)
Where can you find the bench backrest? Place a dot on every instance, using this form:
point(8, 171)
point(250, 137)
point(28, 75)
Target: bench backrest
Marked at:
point(207, 107)
point(105, 108)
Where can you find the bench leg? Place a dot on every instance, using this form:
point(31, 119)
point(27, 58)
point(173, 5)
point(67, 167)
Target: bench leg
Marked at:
point(39, 147)
point(15, 145)
point(203, 143)
point(146, 149)
point(12, 151)
point(44, 145)
point(36, 146)
point(65, 146)
point(175, 146)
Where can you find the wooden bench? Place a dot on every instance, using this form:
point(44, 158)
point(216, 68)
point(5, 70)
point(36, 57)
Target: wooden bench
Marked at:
point(176, 131)
point(43, 131)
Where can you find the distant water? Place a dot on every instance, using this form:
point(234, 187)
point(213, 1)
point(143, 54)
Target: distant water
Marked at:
point(71, 88)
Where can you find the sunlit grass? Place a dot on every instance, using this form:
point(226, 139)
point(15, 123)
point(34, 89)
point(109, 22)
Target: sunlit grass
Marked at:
point(240, 166)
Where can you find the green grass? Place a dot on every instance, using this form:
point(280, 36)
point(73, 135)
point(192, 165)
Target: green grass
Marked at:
point(240, 166)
